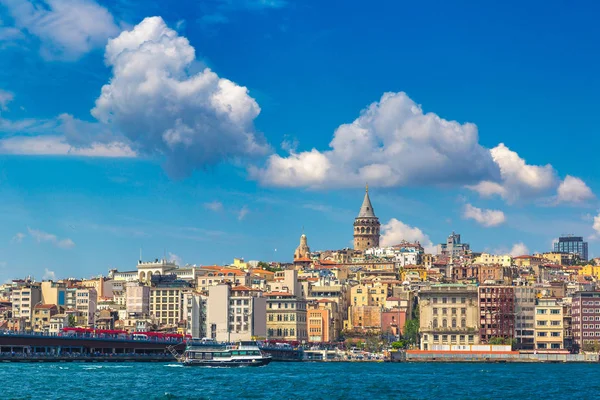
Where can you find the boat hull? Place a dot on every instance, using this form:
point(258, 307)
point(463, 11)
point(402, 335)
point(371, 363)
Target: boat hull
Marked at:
point(232, 363)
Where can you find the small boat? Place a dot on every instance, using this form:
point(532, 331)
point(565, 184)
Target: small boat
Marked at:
point(206, 354)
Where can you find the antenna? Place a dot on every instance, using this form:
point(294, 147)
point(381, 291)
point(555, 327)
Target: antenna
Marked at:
point(140, 254)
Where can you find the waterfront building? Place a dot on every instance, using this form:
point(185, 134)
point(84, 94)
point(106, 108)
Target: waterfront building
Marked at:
point(366, 226)
point(57, 323)
point(449, 314)
point(393, 318)
point(302, 251)
point(585, 313)
point(320, 324)
point(549, 324)
point(166, 298)
point(137, 298)
point(573, 245)
point(525, 298)
point(23, 300)
point(194, 312)
point(329, 290)
point(497, 312)
point(235, 313)
point(453, 246)
point(286, 317)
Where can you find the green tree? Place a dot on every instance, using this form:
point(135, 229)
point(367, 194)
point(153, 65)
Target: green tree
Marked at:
point(400, 344)
point(411, 331)
point(72, 321)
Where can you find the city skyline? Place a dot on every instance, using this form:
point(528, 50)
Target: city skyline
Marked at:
point(450, 132)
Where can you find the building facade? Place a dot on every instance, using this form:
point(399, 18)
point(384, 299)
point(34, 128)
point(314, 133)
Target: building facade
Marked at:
point(497, 312)
point(572, 245)
point(525, 298)
point(366, 226)
point(549, 324)
point(585, 314)
point(449, 314)
point(286, 317)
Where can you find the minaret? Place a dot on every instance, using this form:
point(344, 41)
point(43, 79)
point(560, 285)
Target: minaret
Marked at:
point(366, 226)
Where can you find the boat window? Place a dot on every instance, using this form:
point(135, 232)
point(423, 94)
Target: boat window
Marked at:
point(243, 353)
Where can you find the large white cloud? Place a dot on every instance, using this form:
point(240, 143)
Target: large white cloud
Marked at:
point(192, 120)
point(487, 218)
point(392, 143)
point(395, 231)
point(573, 190)
point(67, 29)
point(517, 178)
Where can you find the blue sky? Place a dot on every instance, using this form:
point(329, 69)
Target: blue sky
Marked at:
point(220, 129)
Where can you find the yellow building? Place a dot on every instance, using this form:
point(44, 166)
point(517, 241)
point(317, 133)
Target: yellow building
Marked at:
point(368, 294)
point(492, 259)
point(591, 270)
point(239, 263)
point(548, 324)
point(413, 272)
point(448, 314)
point(286, 317)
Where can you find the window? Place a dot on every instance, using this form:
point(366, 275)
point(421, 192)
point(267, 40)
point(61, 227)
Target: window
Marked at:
point(435, 311)
point(555, 334)
point(542, 334)
point(554, 311)
point(463, 323)
point(541, 311)
point(555, 323)
point(463, 311)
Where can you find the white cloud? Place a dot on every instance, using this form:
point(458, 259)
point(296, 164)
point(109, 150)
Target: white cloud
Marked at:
point(392, 143)
point(57, 145)
point(394, 232)
point(190, 120)
point(18, 238)
point(41, 236)
point(174, 258)
point(517, 178)
point(5, 98)
point(573, 190)
point(67, 29)
point(48, 275)
point(215, 206)
point(487, 218)
point(596, 225)
point(519, 249)
point(243, 212)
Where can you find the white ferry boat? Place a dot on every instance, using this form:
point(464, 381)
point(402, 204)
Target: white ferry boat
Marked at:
point(212, 354)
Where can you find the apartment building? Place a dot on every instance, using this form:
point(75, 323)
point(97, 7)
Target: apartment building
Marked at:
point(549, 324)
point(585, 314)
point(449, 314)
point(496, 312)
point(525, 298)
point(286, 317)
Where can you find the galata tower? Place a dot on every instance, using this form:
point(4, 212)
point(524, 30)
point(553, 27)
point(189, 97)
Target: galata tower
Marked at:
point(366, 226)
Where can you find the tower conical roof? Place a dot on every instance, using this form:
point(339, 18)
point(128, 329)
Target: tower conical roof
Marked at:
point(366, 210)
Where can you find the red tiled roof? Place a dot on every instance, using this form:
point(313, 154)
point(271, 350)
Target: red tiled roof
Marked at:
point(244, 288)
point(279, 294)
point(45, 306)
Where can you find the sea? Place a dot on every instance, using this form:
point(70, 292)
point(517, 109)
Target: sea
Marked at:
point(311, 381)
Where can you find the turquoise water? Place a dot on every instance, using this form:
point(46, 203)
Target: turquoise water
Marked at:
point(312, 381)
